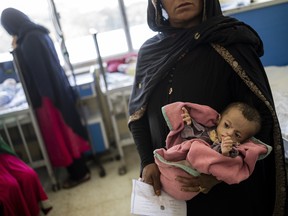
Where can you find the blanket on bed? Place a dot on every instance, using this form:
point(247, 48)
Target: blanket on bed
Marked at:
point(11, 94)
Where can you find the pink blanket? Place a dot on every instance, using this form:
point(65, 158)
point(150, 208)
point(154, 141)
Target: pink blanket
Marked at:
point(202, 114)
point(195, 156)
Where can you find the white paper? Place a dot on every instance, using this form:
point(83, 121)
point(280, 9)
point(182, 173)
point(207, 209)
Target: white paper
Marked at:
point(144, 202)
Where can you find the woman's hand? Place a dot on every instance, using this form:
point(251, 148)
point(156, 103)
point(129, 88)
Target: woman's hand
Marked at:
point(203, 183)
point(151, 175)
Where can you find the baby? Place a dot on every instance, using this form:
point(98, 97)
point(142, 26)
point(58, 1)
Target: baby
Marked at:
point(196, 131)
point(237, 123)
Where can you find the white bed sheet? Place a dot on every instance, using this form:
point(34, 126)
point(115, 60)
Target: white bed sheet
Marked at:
point(12, 98)
point(278, 79)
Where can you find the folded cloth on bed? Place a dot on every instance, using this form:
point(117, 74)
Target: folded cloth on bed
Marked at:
point(195, 156)
point(7, 91)
point(11, 95)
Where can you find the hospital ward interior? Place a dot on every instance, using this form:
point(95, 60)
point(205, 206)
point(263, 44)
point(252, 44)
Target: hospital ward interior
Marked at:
point(97, 44)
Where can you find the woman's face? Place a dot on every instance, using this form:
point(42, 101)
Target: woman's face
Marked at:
point(184, 13)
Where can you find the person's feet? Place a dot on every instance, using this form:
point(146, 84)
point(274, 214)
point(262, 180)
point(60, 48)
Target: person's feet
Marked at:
point(46, 210)
point(69, 183)
point(46, 206)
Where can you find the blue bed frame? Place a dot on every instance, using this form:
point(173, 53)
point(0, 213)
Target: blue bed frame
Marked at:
point(271, 23)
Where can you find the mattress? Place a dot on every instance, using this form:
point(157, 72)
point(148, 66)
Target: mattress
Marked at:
point(278, 79)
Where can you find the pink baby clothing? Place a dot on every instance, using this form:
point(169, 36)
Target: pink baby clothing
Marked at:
point(195, 156)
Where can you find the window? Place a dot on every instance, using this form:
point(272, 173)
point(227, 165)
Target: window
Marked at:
point(121, 25)
point(106, 18)
point(77, 18)
point(136, 11)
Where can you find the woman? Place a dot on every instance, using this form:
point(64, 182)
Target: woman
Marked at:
point(201, 56)
point(50, 94)
point(20, 188)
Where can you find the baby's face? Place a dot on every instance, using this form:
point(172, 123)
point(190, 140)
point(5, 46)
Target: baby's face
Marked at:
point(235, 125)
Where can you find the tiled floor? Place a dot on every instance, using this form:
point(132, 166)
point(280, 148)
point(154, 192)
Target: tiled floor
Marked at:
point(101, 196)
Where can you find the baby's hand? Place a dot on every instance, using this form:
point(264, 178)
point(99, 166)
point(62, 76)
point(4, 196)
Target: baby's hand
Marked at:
point(226, 145)
point(186, 117)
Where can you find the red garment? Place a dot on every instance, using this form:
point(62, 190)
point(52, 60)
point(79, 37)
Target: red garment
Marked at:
point(20, 189)
point(62, 143)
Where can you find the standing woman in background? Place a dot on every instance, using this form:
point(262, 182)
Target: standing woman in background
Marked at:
point(201, 56)
point(51, 95)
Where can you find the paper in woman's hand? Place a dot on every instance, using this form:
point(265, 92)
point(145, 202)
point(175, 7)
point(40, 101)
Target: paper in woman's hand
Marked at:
point(144, 202)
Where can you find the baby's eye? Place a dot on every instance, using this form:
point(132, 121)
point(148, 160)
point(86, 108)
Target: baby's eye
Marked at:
point(226, 125)
point(238, 136)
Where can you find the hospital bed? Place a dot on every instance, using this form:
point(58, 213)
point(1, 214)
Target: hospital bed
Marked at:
point(116, 94)
point(18, 125)
point(278, 79)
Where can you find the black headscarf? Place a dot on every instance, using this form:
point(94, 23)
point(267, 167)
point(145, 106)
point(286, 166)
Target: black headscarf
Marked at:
point(162, 51)
point(158, 22)
point(16, 23)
